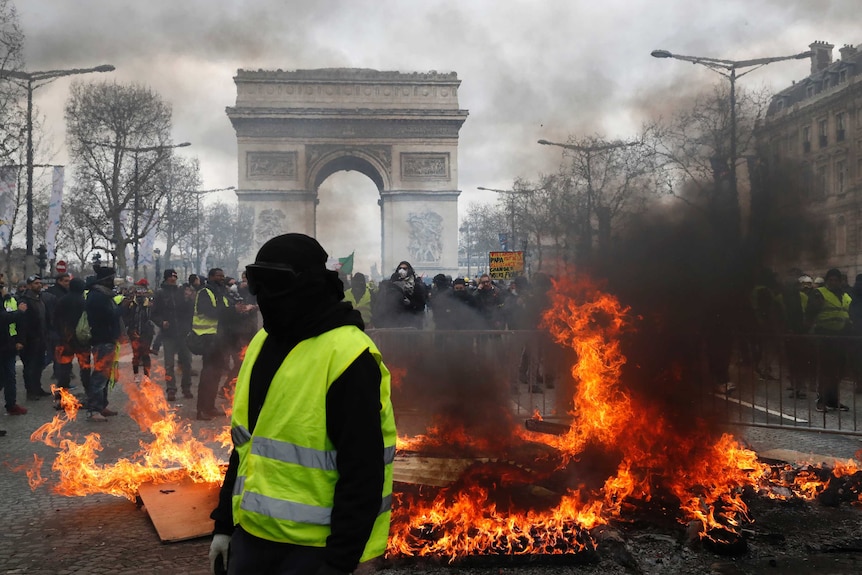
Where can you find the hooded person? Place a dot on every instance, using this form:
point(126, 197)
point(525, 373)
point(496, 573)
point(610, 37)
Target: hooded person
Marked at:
point(312, 427)
point(409, 309)
point(66, 315)
point(104, 316)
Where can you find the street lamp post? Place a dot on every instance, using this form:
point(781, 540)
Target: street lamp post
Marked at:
point(135, 201)
point(602, 212)
point(35, 80)
point(728, 68)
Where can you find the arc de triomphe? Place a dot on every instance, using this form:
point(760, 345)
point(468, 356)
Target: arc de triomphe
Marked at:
point(296, 128)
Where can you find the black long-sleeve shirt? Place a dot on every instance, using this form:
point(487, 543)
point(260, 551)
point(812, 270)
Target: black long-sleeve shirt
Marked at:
point(353, 425)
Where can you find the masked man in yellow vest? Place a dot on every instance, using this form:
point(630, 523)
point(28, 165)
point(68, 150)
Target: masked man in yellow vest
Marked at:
point(309, 485)
point(359, 295)
point(828, 311)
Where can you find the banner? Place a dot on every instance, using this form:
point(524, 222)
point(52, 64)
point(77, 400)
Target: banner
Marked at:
point(55, 206)
point(505, 265)
point(145, 257)
point(8, 195)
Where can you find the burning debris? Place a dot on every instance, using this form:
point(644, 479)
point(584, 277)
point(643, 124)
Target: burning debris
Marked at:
point(494, 487)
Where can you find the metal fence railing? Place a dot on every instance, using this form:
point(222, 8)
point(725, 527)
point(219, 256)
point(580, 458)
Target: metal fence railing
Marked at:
point(776, 378)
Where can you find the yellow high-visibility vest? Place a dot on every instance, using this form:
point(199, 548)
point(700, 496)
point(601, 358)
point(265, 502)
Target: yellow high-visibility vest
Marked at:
point(287, 468)
point(202, 324)
point(835, 314)
point(363, 305)
point(11, 304)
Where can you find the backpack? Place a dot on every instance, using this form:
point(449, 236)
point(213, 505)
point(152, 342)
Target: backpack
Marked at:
point(82, 330)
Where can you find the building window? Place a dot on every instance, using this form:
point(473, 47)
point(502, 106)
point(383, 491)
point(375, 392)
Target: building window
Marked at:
point(822, 126)
point(839, 127)
point(842, 76)
point(806, 139)
point(840, 176)
point(840, 237)
point(809, 91)
point(820, 183)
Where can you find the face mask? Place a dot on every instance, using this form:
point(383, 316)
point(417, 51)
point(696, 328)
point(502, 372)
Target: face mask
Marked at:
point(402, 272)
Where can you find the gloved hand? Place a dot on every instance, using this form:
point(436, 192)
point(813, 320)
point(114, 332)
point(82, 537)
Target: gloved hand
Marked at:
point(219, 551)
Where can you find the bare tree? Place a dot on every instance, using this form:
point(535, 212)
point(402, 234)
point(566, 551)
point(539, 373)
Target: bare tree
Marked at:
point(119, 140)
point(229, 235)
point(180, 214)
point(12, 115)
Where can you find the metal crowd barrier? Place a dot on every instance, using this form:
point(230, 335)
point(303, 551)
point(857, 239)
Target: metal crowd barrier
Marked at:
point(776, 377)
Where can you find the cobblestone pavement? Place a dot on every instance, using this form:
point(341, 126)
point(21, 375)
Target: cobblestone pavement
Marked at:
point(43, 533)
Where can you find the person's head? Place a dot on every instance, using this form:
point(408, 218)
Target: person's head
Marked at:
point(458, 284)
point(4, 289)
point(34, 283)
point(805, 283)
point(142, 285)
point(194, 280)
point(104, 277)
point(441, 281)
point(403, 269)
point(77, 285)
point(63, 280)
point(291, 282)
point(818, 282)
point(485, 282)
point(170, 276)
point(358, 282)
point(216, 276)
point(833, 279)
point(188, 291)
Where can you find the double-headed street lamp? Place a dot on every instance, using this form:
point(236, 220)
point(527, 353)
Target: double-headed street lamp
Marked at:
point(728, 68)
point(35, 80)
point(137, 150)
point(603, 213)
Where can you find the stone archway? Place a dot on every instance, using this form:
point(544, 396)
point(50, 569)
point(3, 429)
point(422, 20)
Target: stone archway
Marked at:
point(294, 129)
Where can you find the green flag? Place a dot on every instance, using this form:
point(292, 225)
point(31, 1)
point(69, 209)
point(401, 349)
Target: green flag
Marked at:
point(347, 264)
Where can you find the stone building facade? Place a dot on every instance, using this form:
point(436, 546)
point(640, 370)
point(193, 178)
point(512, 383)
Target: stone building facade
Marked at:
point(296, 128)
point(817, 124)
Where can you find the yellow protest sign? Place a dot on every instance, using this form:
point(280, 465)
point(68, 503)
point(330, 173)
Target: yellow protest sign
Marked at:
point(505, 265)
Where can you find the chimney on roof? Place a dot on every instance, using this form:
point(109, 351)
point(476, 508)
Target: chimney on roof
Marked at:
point(821, 55)
point(847, 52)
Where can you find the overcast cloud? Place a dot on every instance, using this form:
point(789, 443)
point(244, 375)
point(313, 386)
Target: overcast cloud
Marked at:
point(529, 69)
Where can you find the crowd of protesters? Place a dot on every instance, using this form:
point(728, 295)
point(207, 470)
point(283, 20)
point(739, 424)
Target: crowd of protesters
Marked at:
point(218, 317)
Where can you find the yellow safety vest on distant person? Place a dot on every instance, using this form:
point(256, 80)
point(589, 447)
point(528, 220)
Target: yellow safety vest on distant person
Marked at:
point(11, 305)
point(202, 324)
point(363, 305)
point(287, 472)
point(835, 314)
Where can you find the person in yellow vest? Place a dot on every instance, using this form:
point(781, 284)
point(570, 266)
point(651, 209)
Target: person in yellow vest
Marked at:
point(10, 345)
point(828, 311)
point(359, 296)
point(309, 485)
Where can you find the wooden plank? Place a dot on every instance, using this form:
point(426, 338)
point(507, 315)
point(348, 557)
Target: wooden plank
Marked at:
point(180, 510)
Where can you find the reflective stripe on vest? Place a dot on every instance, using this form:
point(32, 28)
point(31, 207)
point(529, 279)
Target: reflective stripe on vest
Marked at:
point(287, 468)
point(835, 314)
point(11, 305)
point(202, 324)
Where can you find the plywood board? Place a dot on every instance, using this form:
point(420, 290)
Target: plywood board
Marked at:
point(800, 458)
point(180, 510)
point(436, 471)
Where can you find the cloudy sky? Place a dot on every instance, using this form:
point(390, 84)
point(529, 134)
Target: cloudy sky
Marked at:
point(529, 69)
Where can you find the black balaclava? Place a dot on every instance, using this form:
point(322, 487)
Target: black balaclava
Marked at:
point(290, 311)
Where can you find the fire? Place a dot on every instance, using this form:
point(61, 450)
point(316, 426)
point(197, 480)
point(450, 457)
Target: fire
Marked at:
point(174, 453)
point(698, 474)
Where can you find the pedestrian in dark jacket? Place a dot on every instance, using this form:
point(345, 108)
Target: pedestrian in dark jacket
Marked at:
point(104, 316)
point(34, 337)
point(172, 312)
point(409, 309)
point(51, 297)
point(67, 313)
point(10, 344)
point(140, 328)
